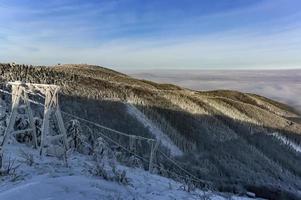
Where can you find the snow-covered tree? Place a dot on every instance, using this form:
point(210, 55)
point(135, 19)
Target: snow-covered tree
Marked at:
point(102, 153)
point(133, 161)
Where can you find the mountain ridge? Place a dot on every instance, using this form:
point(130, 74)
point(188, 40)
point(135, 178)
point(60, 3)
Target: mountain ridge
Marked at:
point(223, 133)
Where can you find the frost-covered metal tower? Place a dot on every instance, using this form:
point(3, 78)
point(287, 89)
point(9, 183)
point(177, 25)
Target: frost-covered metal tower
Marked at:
point(20, 93)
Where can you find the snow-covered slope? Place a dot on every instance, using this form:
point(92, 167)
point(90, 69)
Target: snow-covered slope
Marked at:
point(162, 137)
point(49, 179)
point(200, 123)
point(288, 142)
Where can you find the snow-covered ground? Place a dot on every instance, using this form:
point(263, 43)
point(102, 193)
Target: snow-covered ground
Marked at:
point(162, 137)
point(49, 179)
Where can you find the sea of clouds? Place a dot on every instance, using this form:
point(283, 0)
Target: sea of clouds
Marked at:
point(280, 85)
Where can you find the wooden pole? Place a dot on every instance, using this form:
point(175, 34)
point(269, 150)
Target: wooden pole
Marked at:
point(154, 147)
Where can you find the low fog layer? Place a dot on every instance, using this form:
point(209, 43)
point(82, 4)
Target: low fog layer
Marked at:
point(281, 85)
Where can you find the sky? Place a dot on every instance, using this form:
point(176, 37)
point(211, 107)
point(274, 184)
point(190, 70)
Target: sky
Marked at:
point(153, 34)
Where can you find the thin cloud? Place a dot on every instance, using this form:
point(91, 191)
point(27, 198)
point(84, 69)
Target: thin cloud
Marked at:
point(115, 33)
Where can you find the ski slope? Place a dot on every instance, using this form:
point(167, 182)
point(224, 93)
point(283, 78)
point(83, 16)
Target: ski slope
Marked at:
point(162, 137)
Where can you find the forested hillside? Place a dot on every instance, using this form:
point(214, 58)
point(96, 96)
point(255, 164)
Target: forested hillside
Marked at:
point(226, 136)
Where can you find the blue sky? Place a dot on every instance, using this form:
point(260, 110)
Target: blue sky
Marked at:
point(153, 34)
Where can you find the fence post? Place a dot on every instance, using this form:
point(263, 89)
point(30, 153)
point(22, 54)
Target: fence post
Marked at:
point(154, 148)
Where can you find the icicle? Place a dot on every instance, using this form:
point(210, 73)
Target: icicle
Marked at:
point(139, 143)
point(132, 145)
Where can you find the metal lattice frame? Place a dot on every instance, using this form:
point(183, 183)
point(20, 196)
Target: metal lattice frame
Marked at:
point(20, 92)
point(51, 106)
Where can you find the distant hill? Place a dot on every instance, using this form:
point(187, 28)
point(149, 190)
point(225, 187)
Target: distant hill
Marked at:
point(226, 136)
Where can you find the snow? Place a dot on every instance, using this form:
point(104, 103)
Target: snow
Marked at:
point(162, 137)
point(49, 179)
point(66, 187)
point(288, 142)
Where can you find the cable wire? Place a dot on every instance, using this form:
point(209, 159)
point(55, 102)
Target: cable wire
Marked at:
point(194, 178)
